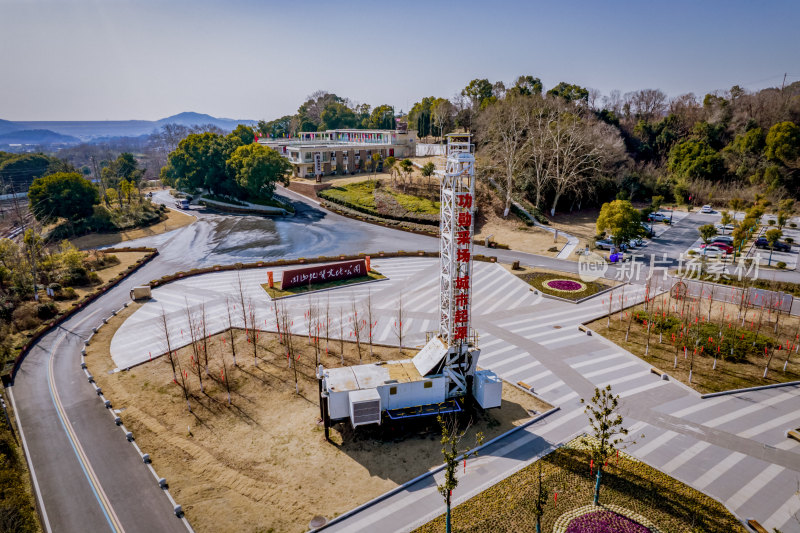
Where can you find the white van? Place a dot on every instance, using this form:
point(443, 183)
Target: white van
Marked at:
point(182, 203)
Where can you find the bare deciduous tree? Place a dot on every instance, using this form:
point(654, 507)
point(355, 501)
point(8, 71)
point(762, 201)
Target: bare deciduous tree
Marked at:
point(230, 330)
point(398, 323)
point(168, 340)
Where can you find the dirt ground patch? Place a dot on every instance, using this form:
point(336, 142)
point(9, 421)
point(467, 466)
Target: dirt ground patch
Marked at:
point(582, 224)
point(511, 231)
point(261, 463)
point(175, 220)
point(725, 324)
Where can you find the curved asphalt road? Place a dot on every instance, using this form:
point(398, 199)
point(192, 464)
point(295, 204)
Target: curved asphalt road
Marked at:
point(87, 476)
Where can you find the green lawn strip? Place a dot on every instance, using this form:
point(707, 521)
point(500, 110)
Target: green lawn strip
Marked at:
point(415, 204)
point(633, 485)
point(276, 292)
point(537, 280)
point(361, 194)
point(16, 495)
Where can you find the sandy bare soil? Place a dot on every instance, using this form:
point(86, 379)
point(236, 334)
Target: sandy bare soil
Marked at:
point(175, 220)
point(261, 463)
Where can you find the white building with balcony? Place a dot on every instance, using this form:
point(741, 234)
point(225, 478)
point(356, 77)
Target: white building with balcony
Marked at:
point(340, 152)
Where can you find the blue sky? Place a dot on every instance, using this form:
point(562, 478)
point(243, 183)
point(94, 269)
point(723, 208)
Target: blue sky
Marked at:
point(120, 59)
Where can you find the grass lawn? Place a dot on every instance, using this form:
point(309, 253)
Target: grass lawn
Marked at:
point(745, 370)
point(361, 194)
point(507, 506)
point(276, 292)
point(539, 280)
point(415, 204)
point(254, 464)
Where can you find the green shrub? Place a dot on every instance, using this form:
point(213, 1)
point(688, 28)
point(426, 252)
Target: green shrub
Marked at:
point(46, 311)
point(771, 222)
point(789, 240)
point(24, 317)
point(792, 224)
point(780, 264)
point(67, 293)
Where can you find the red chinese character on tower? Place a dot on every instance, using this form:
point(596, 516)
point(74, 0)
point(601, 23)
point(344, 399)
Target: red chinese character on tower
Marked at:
point(464, 219)
point(465, 200)
point(462, 299)
point(461, 316)
point(460, 333)
point(462, 282)
point(463, 237)
point(463, 255)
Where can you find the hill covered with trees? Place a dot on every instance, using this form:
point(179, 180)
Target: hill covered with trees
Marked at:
point(570, 146)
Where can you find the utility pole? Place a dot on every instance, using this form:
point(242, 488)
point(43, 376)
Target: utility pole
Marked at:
point(783, 84)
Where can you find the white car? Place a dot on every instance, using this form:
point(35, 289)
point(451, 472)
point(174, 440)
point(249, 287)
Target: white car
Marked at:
point(724, 227)
point(706, 209)
point(658, 217)
point(709, 251)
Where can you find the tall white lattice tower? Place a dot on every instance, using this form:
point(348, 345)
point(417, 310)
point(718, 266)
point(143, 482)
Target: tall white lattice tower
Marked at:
point(455, 260)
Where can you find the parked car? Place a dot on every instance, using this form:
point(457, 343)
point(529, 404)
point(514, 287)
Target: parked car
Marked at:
point(608, 244)
point(648, 229)
point(727, 248)
point(727, 239)
point(636, 241)
point(762, 242)
point(724, 227)
point(709, 251)
point(706, 209)
point(659, 217)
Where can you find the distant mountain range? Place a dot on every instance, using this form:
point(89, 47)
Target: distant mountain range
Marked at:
point(74, 132)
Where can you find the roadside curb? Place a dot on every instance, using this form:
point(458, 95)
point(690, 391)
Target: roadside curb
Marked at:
point(429, 473)
point(750, 389)
point(145, 457)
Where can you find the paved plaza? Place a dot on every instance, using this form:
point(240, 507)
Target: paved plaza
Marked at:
point(731, 447)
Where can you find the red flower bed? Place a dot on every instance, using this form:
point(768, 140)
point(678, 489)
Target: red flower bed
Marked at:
point(565, 285)
point(604, 522)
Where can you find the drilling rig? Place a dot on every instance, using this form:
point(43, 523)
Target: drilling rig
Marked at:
point(445, 371)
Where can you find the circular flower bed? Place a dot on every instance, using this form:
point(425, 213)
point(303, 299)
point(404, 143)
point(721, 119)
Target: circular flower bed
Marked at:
point(604, 522)
point(565, 285)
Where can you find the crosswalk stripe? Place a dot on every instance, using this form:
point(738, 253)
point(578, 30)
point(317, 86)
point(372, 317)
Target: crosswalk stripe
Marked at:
point(713, 473)
point(785, 514)
point(752, 486)
point(642, 388)
point(598, 360)
point(610, 369)
point(718, 421)
point(685, 456)
point(771, 424)
point(699, 406)
point(655, 443)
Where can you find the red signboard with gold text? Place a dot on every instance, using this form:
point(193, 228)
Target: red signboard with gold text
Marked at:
point(323, 273)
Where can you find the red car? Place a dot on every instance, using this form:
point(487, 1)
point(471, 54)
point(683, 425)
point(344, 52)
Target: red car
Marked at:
point(725, 247)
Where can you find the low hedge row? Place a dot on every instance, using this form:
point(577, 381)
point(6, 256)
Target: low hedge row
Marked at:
point(411, 227)
point(326, 194)
point(42, 330)
point(300, 261)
